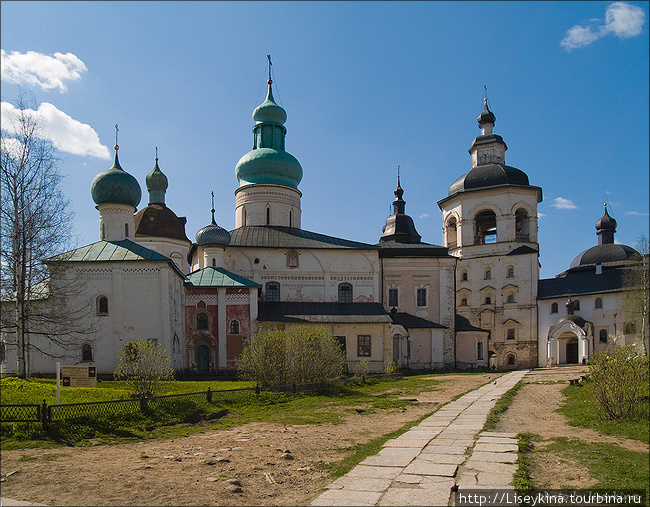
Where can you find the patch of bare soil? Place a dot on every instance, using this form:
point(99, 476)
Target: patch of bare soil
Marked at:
point(533, 410)
point(252, 464)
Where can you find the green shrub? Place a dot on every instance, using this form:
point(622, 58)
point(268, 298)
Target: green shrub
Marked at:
point(299, 355)
point(144, 365)
point(361, 370)
point(620, 382)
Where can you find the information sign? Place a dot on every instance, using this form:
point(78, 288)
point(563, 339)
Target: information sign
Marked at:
point(79, 376)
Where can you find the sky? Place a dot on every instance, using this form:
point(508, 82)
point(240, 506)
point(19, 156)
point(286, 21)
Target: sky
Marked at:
point(367, 87)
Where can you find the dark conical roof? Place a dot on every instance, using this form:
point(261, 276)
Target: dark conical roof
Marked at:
point(399, 226)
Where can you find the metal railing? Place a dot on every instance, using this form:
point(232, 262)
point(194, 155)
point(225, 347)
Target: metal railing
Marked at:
point(20, 413)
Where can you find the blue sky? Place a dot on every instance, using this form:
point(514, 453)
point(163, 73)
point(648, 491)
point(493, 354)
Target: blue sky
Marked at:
point(367, 86)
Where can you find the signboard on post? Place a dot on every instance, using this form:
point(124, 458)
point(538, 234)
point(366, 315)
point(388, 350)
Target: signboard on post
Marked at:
point(79, 376)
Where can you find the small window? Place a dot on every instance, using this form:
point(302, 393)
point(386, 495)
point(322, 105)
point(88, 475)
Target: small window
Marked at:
point(86, 352)
point(268, 216)
point(345, 293)
point(202, 321)
point(510, 333)
point(488, 274)
point(102, 305)
point(233, 327)
point(214, 262)
point(463, 302)
point(421, 297)
point(630, 328)
point(598, 303)
point(463, 276)
point(603, 336)
point(488, 300)
point(103, 232)
point(126, 230)
point(363, 345)
point(479, 351)
point(511, 272)
point(576, 305)
point(511, 360)
point(511, 298)
point(272, 291)
point(554, 308)
point(392, 298)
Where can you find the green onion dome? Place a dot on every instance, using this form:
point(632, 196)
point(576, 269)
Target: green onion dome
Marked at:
point(115, 186)
point(268, 162)
point(156, 185)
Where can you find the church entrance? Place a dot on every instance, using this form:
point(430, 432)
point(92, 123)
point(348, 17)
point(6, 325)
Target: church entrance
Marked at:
point(203, 359)
point(572, 351)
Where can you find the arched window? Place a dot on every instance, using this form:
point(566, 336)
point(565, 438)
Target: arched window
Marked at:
point(488, 274)
point(521, 225)
point(290, 218)
point(598, 303)
point(103, 232)
point(553, 307)
point(126, 230)
point(486, 228)
point(86, 352)
point(452, 233)
point(479, 351)
point(511, 272)
point(272, 291)
point(268, 216)
point(102, 305)
point(202, 321)
point(576, 305)
point(345, 293)
point(463, 276)
point(511, 360)
point(233, 327)
point(214, 262)
point(463, 302)
point(603, 335)
point(511, 298)
point(488, 300)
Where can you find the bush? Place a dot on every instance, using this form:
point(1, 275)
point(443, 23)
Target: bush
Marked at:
point(299, 355)
point(144, 365)
point(620, 382)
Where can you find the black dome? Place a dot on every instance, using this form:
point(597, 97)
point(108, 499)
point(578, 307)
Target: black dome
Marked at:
point(599, 254)
point(489, 175)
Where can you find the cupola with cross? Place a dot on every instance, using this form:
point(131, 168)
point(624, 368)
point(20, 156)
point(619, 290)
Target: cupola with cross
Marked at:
point(268, 175)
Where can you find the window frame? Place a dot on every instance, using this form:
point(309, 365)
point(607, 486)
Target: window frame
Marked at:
point(364, 345)
point(345, 292)
point(102, 307)
point(234, 327)
point(202, 321)
point(393, 297)
point(421, 296)
point(272, 289)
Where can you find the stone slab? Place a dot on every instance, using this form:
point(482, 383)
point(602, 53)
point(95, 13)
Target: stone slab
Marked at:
point(392, 457)
point(412, 443)
point(444, 449)
point(353, 483)
point(499, 457)
point(496, 448)
point(498, 434)
point(424, 467)
point(375, 472)
point(489, 466)
point(416, 496)
point(340, 497)
point(449, 459)
point(496, 440)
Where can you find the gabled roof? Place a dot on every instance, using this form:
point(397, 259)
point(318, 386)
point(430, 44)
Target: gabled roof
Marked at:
point(290, 237)
point(287, 311)
point(463, 324)
point(217, 277)
point(581, 281)
point(409, 321)
point(524, 249)
point(110, 251)
point(113, 251)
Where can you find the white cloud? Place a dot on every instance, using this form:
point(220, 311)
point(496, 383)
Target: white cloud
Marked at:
point(36, 69)
point(562, 203)
point(540, 215)
point(621, 19)
point(424, 215)
point(637, 213)
point(66, 133)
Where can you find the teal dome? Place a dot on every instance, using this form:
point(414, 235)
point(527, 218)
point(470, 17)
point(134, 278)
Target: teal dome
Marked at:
point(269, 112)
point(267, 165)
point(115, 186)
point(268, 162)
point(156, 185)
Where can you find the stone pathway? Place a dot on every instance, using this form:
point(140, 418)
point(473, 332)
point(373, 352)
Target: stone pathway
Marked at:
point(447, 450)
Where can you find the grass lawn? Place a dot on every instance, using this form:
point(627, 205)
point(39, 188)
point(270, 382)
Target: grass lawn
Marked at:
point(185, 416)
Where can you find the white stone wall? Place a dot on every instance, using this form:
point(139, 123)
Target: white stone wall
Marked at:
point(252, 201)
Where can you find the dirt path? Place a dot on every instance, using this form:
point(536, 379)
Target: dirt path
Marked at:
point(196, 470)
point(534, 411)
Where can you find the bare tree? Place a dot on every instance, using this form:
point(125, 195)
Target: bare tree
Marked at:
point(636, 280)
point(35, 224)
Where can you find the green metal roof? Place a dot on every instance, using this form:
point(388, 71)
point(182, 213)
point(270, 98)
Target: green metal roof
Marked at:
point(270, 236)
point(110, 251)
point(217, 277)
